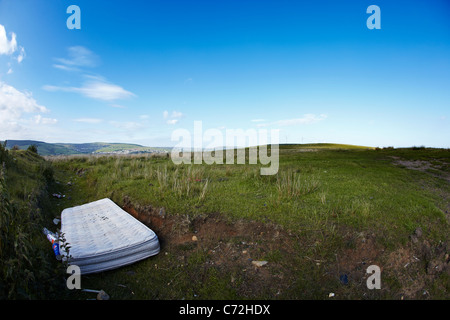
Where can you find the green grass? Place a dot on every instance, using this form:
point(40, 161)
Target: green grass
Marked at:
point(327, 199)
point(28, 267)
point(360, 189)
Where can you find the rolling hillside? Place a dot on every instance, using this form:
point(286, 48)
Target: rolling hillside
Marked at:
point(50, 149)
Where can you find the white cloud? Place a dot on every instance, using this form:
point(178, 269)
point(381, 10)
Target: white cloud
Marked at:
point(14, 106)
point(176, 114)
point(130, 126)
point(89, 120)
point(65, 68)
point(103, 91)
point(78, 56)
point(17, 102)
point(21, 55)
point(7, 46)
point(172, 118)
point(117, 106)
point(96, 89)
point(306, 119)
point(38, 119)
point(172, 121)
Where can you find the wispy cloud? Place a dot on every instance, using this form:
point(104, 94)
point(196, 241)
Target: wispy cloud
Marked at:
point(38, 119)
point(115, 105)
point(172, 121)
point(89, 120)
point(173, 117)
point(78, 56)
point(130, 126)
point(96, 89)
point(66, 68)
point(308, 118)
point(21, 55)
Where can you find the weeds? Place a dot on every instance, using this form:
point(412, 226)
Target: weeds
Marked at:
point(25, 268)
point(291, 184)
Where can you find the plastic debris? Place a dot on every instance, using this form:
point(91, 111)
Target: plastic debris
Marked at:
point(343, 278)
point(259, 263)
point(101, 295)
point(53, 238)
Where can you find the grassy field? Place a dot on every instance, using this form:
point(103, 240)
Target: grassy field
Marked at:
point(329, 213)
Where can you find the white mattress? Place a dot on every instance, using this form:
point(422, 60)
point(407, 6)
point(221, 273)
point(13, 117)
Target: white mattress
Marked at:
point(102, 236)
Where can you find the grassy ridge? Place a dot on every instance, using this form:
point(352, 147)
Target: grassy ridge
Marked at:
point(27, 263)
point(54, 149)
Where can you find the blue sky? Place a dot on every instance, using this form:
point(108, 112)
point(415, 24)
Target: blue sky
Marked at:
point(138, 70)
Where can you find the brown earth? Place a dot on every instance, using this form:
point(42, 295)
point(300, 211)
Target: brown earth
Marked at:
point(231, 247)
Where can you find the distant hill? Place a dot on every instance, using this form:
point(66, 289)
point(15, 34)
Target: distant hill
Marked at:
point(53, 149)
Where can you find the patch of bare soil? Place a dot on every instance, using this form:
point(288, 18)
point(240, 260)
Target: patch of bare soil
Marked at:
point(433, 169)
point(352, 263)
point(232, 248)
point(409, 271)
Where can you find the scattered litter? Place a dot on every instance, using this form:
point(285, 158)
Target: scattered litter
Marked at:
point(331, 295)
point(56, 221)
point(101, 295)
point(343, 278)
point(90, 290)
point(124, 286)
point(194, 238)
point(59, 195)
point(259, 263)
point(53, 238)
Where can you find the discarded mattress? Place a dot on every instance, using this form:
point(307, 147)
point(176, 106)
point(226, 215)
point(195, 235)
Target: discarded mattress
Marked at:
point(102, 236)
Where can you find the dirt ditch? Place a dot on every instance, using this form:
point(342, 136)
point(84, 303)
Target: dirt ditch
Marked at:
point(233, 249)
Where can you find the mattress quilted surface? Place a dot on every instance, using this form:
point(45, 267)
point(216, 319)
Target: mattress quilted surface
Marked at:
point(102, 236)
